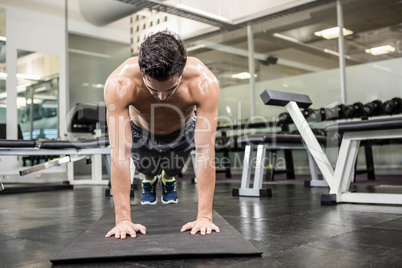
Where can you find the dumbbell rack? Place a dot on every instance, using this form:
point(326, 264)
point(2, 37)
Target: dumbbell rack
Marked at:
point(338, 179)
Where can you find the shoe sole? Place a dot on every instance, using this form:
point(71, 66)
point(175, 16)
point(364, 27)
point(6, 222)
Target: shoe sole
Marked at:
point(169, 201)
point(148, 202)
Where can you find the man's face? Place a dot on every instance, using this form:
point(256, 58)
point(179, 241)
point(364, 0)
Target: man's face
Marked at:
point(162, 90)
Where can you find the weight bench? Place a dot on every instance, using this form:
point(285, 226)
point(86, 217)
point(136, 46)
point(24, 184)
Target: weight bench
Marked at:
point(271, 142)
point(70, 151)
point(354, 132)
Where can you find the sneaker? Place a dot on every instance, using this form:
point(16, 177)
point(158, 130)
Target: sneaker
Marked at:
point(148, 195)
point(169, 192)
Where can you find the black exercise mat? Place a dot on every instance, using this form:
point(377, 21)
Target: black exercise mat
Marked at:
point(162, 241)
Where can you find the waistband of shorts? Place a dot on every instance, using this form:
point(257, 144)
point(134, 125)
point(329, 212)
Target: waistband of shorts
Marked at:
point(170, 136)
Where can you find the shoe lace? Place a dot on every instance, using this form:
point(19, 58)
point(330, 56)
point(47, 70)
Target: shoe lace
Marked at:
point(170, 187)
point(148, 187)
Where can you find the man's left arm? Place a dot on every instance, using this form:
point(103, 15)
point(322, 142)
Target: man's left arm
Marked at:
point(205, 130)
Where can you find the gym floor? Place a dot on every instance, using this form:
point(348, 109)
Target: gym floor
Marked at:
point(291, 228)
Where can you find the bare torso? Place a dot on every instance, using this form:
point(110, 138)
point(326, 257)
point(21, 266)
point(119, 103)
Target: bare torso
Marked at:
point(159, 117)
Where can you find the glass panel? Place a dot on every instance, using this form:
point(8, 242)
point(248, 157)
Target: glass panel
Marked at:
point(37, 94)
point(91, 61)
point(284, 47)
point(299, 59)
point(3, 73)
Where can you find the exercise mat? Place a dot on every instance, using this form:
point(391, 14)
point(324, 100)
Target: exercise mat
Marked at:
point(162, 241)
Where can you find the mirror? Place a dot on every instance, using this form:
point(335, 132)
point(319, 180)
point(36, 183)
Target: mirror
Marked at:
point(37, 95)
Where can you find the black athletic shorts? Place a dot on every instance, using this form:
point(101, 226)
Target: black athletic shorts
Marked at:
point(153, 153)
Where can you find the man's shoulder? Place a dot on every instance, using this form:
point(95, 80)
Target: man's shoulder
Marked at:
point(123, 83)
point(193, 61)
point(196, 69)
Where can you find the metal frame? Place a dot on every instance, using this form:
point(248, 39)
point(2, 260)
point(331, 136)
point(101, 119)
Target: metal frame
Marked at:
point(339, 179)
point(249, 153)
point(70, 155)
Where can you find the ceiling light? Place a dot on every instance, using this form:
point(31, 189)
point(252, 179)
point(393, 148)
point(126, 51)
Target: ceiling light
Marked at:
point(3, 38)
point(380, 50)
point(28, 76)
point(3, 76)
point(332, 33)
point(89, 53)
point(243, 75)
point(97, 85)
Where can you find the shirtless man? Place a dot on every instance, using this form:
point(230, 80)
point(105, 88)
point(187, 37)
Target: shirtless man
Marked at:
point(160, 106)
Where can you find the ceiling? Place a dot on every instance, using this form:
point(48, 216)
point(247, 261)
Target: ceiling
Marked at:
point(225, 51)
point(374, 23)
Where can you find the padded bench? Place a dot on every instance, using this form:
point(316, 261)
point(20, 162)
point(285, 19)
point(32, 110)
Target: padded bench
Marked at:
point(71, 151)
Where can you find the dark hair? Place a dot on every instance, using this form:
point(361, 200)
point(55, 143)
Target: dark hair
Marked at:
point(162, 55)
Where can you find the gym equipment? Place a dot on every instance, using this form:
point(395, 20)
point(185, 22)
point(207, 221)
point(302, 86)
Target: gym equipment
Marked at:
point(70, 151)
point(354, 132)
point(162, 241)
point(334, 112)
point(393, 106)
point(353, 111)
point(372, 108)
point(224, 144)
point(85, 119)
point(271, 142)
point(312, 115)
point(284, 119)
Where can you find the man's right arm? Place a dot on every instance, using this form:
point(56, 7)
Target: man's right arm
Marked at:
point(116, 90)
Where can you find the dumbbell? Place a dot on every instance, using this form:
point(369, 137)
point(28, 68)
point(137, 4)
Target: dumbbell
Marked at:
point(319, 132)
point(353, 111)
point(334, 112)
point(284, 119)
point(312, 115)
point(393, 106)
point(223, 142)
point(372, 108)
point(322, 113)
point(334, 138)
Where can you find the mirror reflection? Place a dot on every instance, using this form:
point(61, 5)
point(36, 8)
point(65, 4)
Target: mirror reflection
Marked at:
point(37, 95)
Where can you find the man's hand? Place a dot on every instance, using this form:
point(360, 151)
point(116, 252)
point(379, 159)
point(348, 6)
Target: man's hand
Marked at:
point(202, 225)
point(124, 228)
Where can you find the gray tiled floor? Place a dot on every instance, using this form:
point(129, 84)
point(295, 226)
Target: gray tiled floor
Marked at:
point(291, 228)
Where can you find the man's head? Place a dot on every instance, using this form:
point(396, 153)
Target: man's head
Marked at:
point(162, 55)
point(162, 59)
